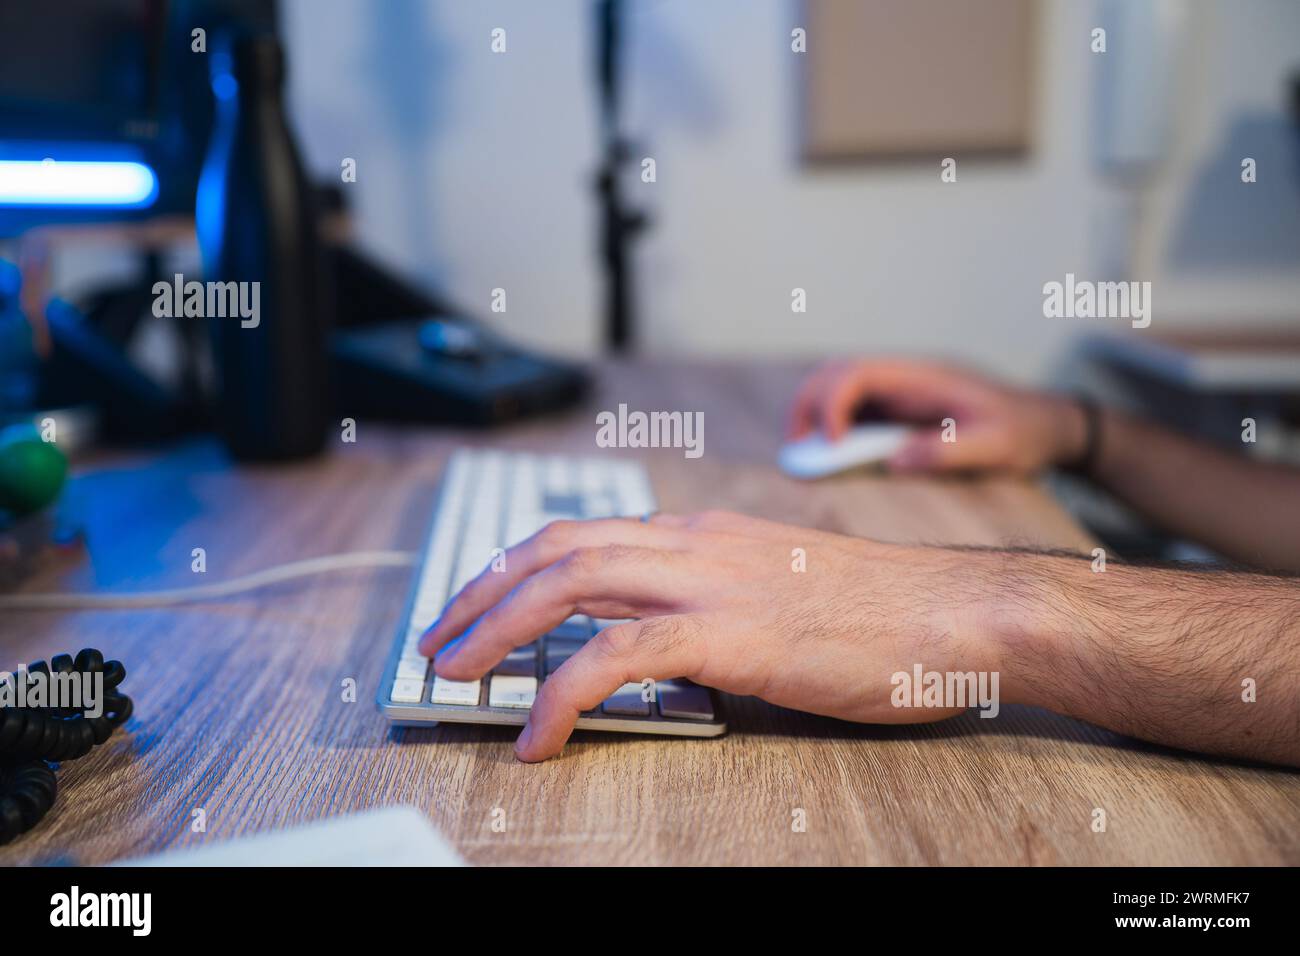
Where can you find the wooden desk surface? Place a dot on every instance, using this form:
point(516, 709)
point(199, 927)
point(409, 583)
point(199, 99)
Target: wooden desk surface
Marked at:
point(239, 711)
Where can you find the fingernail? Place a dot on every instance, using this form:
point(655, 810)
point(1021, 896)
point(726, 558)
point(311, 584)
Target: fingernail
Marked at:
point(524, 739)
point(445, 656)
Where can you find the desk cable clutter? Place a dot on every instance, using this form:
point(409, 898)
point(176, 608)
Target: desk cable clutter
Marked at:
point(33, 735)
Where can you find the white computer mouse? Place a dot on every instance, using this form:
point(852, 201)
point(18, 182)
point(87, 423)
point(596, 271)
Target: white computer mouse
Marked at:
point(816, 457)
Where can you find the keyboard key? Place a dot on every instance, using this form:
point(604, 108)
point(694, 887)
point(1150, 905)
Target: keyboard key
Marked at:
point(558, 479)
point(523, 524)
point(515, 692)
point(423, 616)
point(563, 504)
point(435, 576)
point(559, 650)
point(521, 662)
point(593, 476)
point(525, 483)
point(456, 693)
point(634, 495)
point(412, 668)
point(482, 524)
point(601, 506)
point(407, 691)
point(578, 627)
point(626, 701)
point(684, 700)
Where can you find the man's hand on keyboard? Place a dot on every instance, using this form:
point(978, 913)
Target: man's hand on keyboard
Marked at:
point(720, 598)
point(804, 619)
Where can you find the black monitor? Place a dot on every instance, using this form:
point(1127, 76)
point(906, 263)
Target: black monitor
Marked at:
point(113, 90)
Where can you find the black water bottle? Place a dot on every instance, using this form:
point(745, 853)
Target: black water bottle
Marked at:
point(257, 229)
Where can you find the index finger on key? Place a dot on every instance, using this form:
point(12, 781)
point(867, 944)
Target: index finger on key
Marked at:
point(532, 555)
point(655, 648)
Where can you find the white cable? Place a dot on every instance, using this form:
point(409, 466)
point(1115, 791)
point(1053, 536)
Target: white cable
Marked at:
point(205, 592)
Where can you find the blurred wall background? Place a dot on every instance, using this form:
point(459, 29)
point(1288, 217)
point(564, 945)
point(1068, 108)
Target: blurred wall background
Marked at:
point(474, 172)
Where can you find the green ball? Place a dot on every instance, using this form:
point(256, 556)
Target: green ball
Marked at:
point(31, 471)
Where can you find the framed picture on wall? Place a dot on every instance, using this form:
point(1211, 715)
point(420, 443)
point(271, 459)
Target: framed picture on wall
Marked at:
point(884, 78)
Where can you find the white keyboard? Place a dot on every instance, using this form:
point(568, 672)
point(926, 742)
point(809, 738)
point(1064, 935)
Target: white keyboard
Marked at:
point(493, 499)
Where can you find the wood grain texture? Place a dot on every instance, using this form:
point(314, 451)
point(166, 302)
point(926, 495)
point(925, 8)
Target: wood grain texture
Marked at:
point(239, 710)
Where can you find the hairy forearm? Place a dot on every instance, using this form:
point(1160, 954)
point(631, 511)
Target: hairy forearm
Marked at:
point(1207, 661)
point(1246, 510)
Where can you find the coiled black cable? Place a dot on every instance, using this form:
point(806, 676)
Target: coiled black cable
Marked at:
point(31, 738)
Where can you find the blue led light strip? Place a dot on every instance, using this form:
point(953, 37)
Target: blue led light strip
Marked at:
point(76, 183)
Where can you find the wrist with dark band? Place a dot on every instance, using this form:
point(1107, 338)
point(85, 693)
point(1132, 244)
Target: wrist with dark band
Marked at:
point(1086, 461)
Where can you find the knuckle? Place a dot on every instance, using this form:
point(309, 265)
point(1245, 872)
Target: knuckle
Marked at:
point(663, 635)
point(583, 561)
point(615, 641)
point(611, 553)
point(589, 560)
point(556, 534)
point(713, 518)
point(528, 590)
